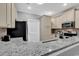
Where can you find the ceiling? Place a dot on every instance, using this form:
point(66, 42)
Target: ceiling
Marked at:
point(43, 9)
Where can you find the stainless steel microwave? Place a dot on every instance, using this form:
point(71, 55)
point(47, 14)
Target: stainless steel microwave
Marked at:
point(70, 24)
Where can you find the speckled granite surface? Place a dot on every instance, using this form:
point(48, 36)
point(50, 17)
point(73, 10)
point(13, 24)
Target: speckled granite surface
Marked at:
point(17, 47)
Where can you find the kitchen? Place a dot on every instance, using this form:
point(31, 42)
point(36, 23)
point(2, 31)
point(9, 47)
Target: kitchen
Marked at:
point(37, 30)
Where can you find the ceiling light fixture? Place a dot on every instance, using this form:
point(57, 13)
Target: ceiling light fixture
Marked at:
point(29, 7)
point(49, 13)
point(40, 3)
point(65, 4)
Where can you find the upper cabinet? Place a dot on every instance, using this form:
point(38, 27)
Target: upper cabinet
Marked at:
point(65, 17)
point(57, 22)
point(53, 22)
point(7, 15)
point(13, 15)
point(69, 15)
point(3, 13)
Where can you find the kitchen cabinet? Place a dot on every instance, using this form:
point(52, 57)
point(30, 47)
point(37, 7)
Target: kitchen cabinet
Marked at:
point(64, 17)
point(53, 22)
point(77, 19)
point(57, 22)
point(3, 20)
point(7, 15)
point(13, 15)
point(69, 15)
point(45, 28)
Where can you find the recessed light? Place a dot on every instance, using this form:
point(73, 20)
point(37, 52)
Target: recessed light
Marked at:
point(65, 4)
point(40, 3)
point(29, 7)
point(49, 13)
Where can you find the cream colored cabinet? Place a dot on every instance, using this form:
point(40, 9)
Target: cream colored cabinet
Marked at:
point(77, 19)
point(3, 20)
point(45, 28)
point(69, 15)
point(7, 15)
point(53, 23)
point(65, 17)
point(58, 22)
point(11, 15)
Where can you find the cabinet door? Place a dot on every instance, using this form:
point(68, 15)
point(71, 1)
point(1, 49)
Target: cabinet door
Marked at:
point(64, 18)
point(45, 28)
point(11, 15)
point(59, 22)
point(3, 21)
point(77, 19)
point(53, 22)
point(69, 15)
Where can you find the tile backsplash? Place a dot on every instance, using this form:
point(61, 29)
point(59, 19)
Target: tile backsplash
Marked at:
point(2, 32)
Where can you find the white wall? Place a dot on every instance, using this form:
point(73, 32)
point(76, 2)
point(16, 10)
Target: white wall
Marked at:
point(21, 16)
point(33, 25)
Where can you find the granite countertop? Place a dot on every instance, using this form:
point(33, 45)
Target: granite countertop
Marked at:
point(17, 47)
